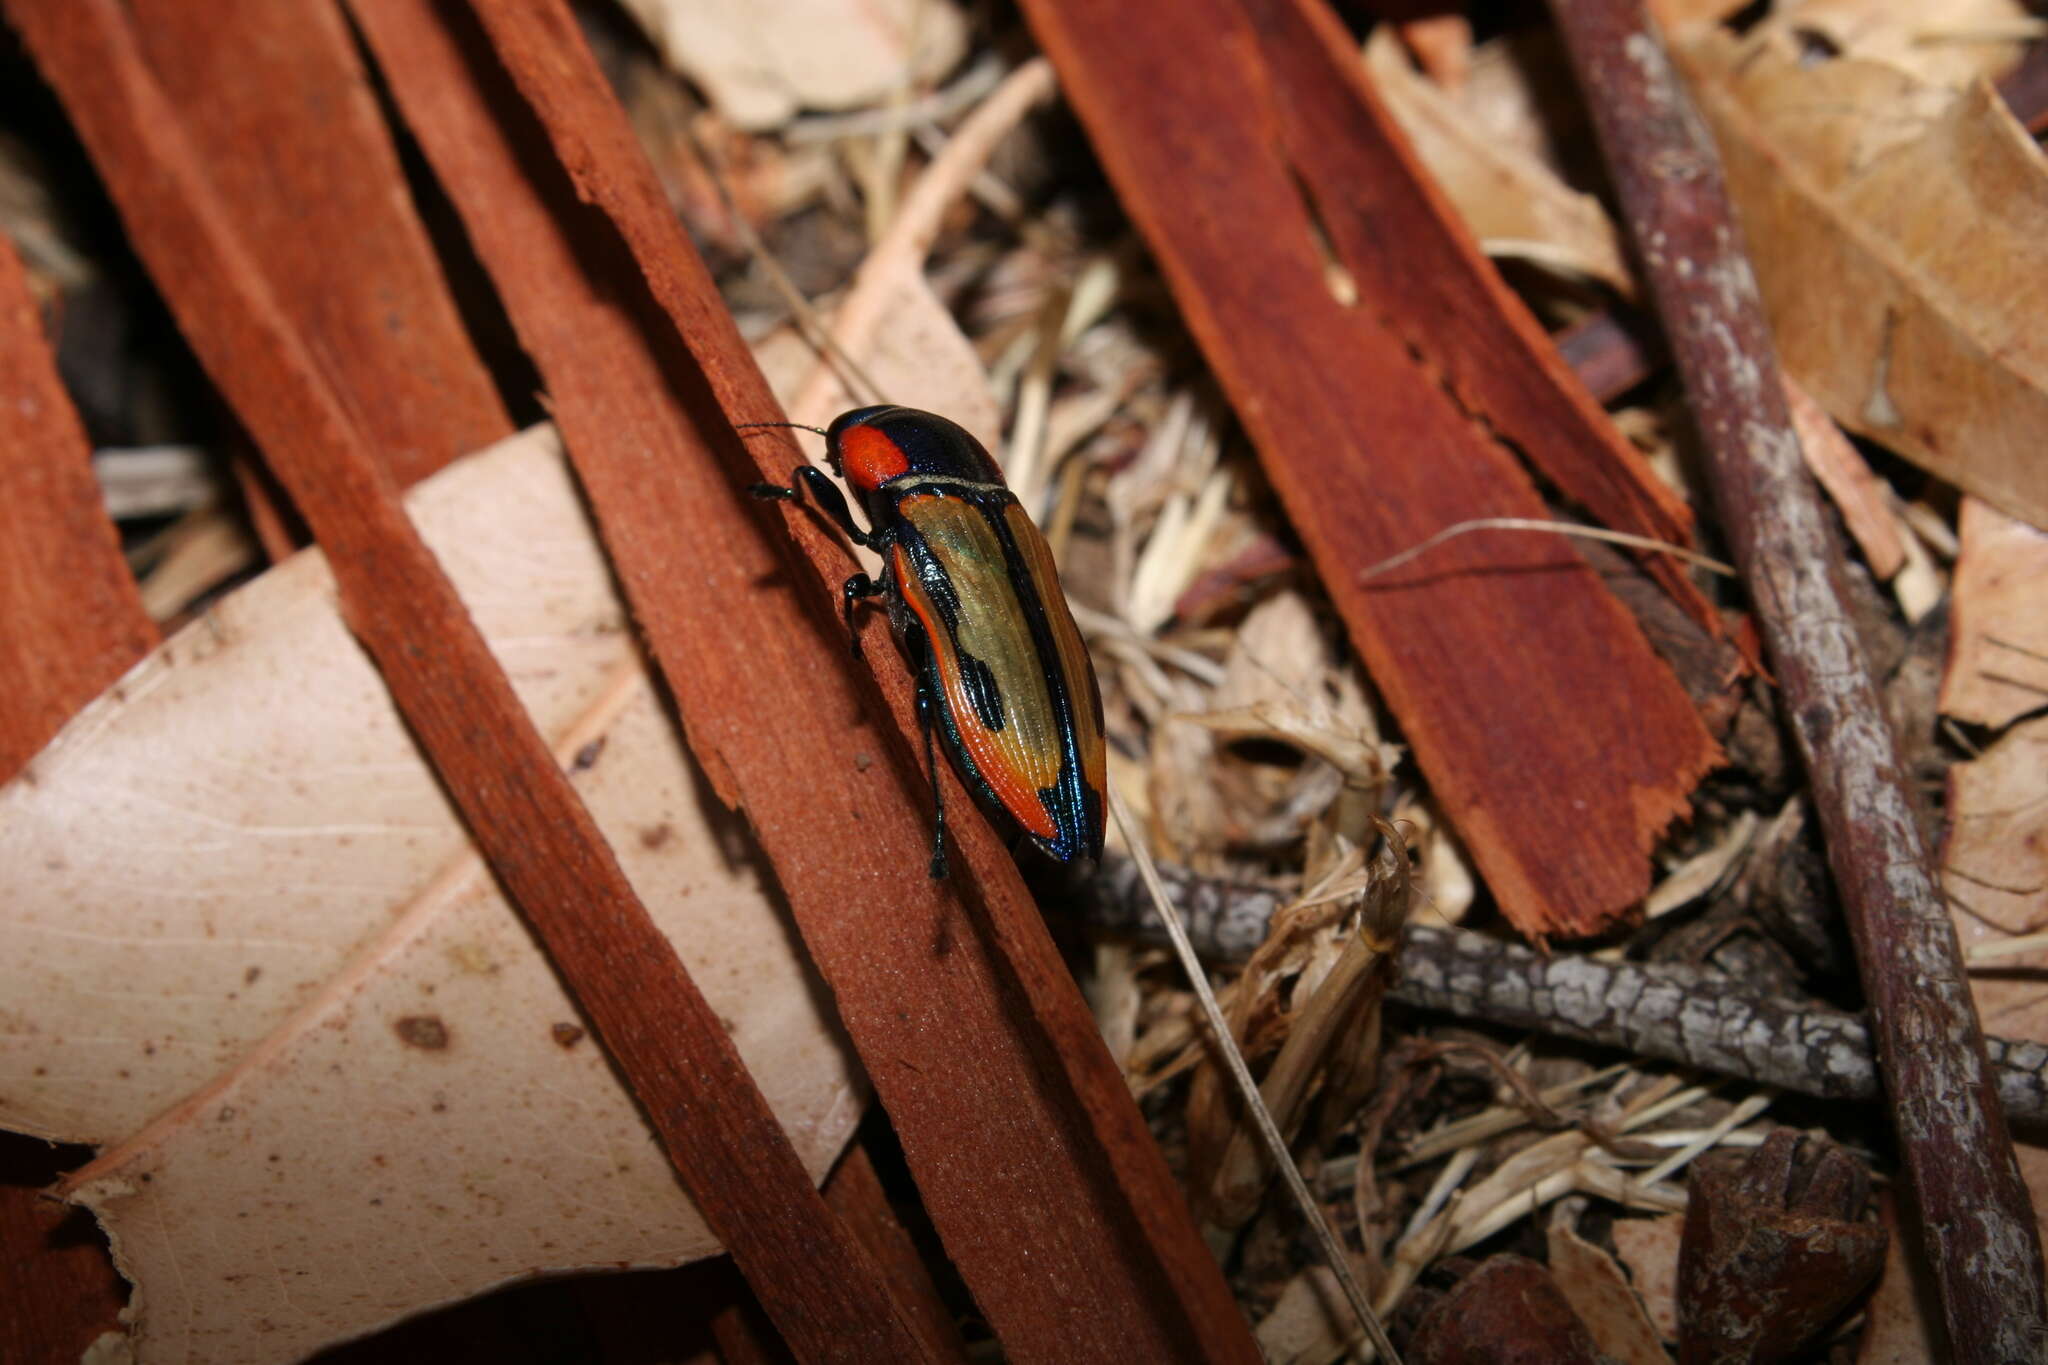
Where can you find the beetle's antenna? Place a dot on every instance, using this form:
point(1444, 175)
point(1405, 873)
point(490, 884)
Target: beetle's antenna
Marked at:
point(800, 426)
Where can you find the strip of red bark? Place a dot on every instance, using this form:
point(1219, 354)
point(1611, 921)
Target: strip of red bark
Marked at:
point(71, 622)
point(277, 106)
point(1036, 1168)
point(855, 1191)
point(825, 1292)
point(1420, 271)
point(1559, 744)
point(74, 617)
point(1979, 1226)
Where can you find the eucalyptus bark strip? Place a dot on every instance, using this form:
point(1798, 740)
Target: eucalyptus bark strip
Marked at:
point(1980, 1229)
point(1244, 141)
point(1040, 1175)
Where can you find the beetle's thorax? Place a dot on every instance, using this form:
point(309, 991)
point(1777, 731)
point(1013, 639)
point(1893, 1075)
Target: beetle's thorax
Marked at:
point(877, 446)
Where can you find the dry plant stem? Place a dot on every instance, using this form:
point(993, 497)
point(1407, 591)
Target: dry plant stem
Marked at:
point(1036, 1166)
point(1973, 1208)
point(1248, 1089)
point(1554, 528)
point(1669, 1011)
point(829, 1298)
point(903, 247)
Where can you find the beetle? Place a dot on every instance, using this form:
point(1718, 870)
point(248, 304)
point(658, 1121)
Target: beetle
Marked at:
point(974, 601)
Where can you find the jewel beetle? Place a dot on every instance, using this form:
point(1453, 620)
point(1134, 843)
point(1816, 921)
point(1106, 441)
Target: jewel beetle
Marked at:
point(1003, 678)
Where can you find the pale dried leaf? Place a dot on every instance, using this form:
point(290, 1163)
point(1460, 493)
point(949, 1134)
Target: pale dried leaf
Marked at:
point(1310, 1325)
point(1600, 1294)
point(760, 61)
point(1441, 45)
point(1649, 1248)
point(1952, 43)
point(1703, 871)
point(1995, 871)
point(1998, 643)
point(1520, 94)
point(1895, 229)
point(1513, 203)
point(1843, 472)
point(249, 950)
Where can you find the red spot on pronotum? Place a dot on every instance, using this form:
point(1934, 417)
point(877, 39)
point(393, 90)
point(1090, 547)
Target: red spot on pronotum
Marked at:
point(869, 457)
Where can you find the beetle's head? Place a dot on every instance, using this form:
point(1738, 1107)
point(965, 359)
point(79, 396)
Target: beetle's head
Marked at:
point(861, 451)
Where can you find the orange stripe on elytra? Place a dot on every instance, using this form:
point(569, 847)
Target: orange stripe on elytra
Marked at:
point(1083, 699)
point(1015, 788)
point(869, 458)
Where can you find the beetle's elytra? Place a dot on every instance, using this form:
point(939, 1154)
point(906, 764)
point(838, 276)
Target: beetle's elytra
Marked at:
point(1002, 675)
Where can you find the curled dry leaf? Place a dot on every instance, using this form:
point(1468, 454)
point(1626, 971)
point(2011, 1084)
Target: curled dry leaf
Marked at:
point(1649, 1248)
point(1282, 682)
point(1593, 1283)
point(249, 951)
point(1895, 229)
point(1857, 493)
point(1514, 204)
point(1995, 871)
point(762, 61)
point(1952, 43)
point(1998, 650)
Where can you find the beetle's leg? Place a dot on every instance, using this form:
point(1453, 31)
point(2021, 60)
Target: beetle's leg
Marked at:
point(825, 495)
point(925, 704)
point(857, 587)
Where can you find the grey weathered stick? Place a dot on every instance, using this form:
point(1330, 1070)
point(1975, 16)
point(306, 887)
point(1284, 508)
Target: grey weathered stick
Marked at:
point(1674, 1012)
point(1973, 1208)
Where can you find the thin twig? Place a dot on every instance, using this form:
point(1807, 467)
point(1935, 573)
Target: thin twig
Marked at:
point(1973, 1208)
point(1670, 1011)
point(1226, 1044)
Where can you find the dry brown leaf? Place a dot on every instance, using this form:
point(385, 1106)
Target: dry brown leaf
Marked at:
point(1902, 1316)
point(1519, 94)
point(1649, 1248)
point(249, 950)
point(1846, 476)
point(1311, 1324)
point(1951, 43)
point(1995, 871)
point(1512, 202)
point(1998, 650)
point(763, 60)
point(1895, 228)
point(1600, 1294)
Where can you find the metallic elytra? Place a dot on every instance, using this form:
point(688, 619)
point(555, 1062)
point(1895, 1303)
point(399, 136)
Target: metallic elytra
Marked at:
point(1003, 677)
